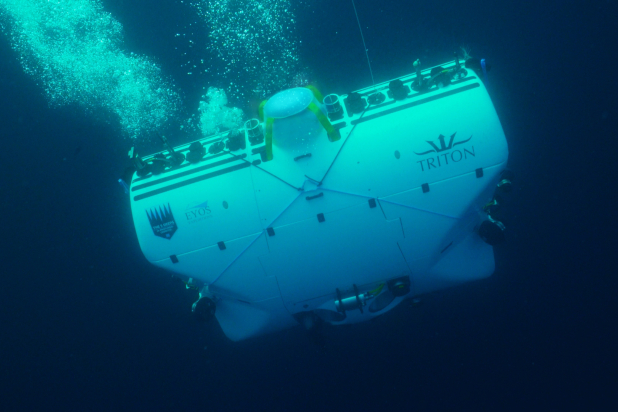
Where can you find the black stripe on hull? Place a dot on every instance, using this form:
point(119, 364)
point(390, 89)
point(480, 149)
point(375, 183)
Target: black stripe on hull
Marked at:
point(415, 103)
point(192, 180)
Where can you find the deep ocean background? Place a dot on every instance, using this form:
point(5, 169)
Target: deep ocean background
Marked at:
point(87, 324)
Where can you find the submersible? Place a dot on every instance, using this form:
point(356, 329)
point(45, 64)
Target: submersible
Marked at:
point(333, 208)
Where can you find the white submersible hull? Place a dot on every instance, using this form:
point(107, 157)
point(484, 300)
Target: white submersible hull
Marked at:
point(332, 213)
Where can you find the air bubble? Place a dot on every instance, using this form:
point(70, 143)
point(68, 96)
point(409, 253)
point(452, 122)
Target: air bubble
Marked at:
point(89, 68)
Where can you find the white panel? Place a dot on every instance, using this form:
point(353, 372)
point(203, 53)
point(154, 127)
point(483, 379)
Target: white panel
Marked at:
point(425, 233)
point(241, 275)
point(245, 279)
point(321, 201)
point(240, 320)
point(206, 212)
point(453, 198)
point(471, 259)
point(355, 245)
point(272, 196)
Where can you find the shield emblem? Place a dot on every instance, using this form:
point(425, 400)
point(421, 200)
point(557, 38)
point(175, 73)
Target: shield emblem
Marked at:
point(162, 221)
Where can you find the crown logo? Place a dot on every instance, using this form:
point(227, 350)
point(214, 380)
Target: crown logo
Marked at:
point(443, 146)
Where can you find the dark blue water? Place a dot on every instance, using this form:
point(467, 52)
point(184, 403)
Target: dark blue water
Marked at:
point(87, 324)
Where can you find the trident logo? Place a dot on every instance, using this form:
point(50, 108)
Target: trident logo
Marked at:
point(443, 146)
